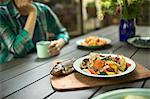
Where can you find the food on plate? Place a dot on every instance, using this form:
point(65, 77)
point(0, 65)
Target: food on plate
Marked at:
point(100, 64)
point(134, 97)
point(94, 41)
point(63, 67)
point(142, 41)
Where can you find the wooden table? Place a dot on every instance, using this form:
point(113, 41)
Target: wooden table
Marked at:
point(28, 78)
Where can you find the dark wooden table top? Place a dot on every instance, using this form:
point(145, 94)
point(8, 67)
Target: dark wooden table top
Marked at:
point(28, 78)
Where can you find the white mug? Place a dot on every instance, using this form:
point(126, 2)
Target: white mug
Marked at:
point(42, 49)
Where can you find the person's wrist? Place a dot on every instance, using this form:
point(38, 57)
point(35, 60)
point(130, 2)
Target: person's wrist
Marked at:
point(62, 42)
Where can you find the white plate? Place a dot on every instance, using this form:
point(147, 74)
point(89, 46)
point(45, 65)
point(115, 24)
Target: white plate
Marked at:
point(92, 47)
point(78, 62)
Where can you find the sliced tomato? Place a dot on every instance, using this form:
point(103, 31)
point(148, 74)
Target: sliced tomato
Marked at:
point(128, 64)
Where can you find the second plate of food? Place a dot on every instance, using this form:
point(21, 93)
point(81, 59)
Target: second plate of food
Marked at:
point(140, 42)
point(104, 65)
point(93, 42)
point(129, 93)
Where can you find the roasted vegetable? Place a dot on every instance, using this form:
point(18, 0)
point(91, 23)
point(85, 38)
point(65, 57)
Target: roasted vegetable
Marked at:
point(91, 71)
point(109, 73)
point(123, 63)
point(113, 65)
point(98, 64)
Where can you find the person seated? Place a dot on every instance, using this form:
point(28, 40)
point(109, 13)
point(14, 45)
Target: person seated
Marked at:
point(23, 23)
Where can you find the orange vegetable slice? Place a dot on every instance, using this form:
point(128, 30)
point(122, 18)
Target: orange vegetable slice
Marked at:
point(91, 71)
point(98, 64)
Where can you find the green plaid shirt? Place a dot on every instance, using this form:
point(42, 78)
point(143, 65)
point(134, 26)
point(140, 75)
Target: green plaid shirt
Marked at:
point(15, 41)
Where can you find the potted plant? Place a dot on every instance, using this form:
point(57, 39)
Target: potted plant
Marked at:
point(128, 10)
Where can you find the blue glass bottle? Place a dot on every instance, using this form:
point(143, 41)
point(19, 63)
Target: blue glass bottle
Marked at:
point(126, 29)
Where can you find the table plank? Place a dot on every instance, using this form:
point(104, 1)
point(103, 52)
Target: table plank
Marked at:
point(143, 57)
point(81, 94)
point(147, 84)
point(38, 90)
point(145, 31)
point(127, 50)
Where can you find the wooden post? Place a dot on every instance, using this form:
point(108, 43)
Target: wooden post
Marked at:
point(80, 17)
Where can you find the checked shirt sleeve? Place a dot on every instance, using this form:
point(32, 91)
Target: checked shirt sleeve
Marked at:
point(16, 43)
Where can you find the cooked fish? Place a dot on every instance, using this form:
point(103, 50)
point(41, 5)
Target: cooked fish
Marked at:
point(63, 68)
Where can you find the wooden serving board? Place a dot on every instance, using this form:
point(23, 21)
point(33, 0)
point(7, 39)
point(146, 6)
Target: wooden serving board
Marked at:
point(76, 80)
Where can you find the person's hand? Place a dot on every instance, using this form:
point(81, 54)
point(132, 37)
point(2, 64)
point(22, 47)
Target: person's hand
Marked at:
point(25, 6)
point(55, 47)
